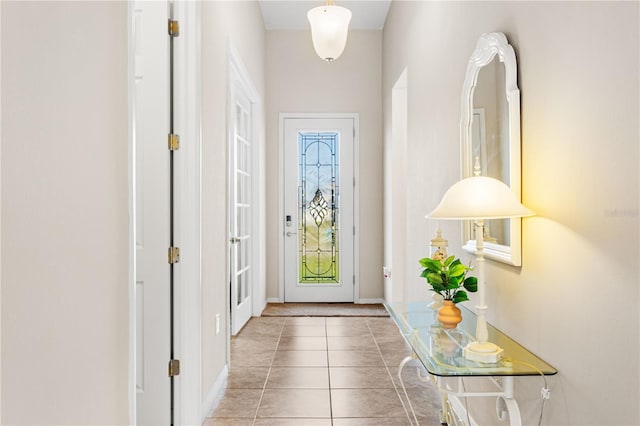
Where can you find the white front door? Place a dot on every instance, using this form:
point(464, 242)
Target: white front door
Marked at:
point(241, 207)
point(319, 229)
point(151, 103)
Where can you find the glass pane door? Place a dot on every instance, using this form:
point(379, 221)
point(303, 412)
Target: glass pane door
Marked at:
point(319, 231)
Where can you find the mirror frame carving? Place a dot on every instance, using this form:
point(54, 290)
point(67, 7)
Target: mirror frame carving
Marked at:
point(488, 46)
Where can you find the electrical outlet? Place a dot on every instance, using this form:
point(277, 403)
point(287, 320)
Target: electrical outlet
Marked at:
point(217, 323)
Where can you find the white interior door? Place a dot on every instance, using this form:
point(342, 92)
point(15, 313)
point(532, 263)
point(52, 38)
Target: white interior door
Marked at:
point(241, 207)
point(319, 227)
point(153, 399)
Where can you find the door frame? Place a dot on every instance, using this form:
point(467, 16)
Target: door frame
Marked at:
point(188, 183)
point(238, 74)
point(356, 195)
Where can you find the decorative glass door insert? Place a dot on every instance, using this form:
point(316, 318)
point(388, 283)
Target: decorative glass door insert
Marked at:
point(318, 209)
point(318, 229)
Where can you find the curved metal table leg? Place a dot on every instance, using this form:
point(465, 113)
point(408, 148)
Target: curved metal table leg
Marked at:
point(403, 363)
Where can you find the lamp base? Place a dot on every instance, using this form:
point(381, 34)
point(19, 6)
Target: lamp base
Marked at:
point(486, 352)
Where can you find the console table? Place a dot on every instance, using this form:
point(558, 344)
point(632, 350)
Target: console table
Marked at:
point(440, 352)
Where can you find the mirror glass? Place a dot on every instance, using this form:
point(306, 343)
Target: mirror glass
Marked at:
point(490, 138)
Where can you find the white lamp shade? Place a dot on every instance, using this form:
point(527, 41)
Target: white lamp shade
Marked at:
point(479, 197)
point(329, 27)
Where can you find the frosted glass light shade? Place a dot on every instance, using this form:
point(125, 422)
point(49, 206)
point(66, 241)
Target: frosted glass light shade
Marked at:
point(479, 197)
point(329, 27)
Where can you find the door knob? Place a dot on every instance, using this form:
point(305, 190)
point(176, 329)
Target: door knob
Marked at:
point(234, 240)
point(290, 234)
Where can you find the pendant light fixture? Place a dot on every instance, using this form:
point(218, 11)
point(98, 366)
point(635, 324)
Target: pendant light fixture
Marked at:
point(329, 27)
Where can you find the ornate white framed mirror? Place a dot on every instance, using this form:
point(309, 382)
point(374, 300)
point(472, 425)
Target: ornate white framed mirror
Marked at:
point(490, 138)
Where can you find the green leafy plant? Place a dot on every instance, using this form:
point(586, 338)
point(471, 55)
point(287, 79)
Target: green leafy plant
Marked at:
point(449, 278)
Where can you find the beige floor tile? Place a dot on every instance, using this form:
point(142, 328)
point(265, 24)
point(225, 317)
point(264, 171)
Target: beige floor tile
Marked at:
point(267, 320)
point(390, 339)
point(243, 377)
point(251, 358)
point(300, 359)
point(302, 403)
point(304, 330)
point(400, 421)
point(299, 343)
point(262, 328)
point(347, 330)
point(254, 343)
point(386, 326)
point(238, 403)
point(293, 422)
point(227, 422)
point(360, 378)
point(351, 343)
point(394, 354)
point(353, 321)
point(380, 322)
point(305, 320)
point(355, 359)
point(298, 378)
point(372, 403)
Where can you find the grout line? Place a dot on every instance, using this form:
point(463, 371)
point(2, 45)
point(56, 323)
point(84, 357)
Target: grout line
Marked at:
point(326, 338)
point(264, 385)
point(386, 366)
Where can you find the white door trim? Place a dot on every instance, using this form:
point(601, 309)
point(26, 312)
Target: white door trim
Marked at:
point(1, 226)
point(188, 182)
point(356, 196)
point(131, 240)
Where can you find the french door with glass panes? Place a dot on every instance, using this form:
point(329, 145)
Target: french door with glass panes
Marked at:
point(240, 215)
point(319, 231)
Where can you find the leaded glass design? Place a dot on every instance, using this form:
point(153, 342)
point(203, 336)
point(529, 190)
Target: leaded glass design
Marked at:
point(318, 195)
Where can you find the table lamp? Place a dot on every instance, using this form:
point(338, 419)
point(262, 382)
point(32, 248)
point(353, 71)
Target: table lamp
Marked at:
point(479, 198)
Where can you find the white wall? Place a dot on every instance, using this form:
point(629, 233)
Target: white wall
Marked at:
point(65, 256)
point(395, 194)
point(223, 22)
point(298, 81)
point(65, 206)
point(574, 302)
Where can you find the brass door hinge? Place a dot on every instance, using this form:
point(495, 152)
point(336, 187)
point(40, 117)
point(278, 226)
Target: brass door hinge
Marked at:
point(174, 255)
point(174, 28)
point(174, 142)
point(174, 367)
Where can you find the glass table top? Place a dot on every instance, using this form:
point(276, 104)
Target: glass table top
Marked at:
point(440, 350)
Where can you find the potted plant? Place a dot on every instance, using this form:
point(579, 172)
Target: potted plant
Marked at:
point(448, 277)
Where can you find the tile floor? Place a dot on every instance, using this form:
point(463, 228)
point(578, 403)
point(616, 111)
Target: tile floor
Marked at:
point(322, 371)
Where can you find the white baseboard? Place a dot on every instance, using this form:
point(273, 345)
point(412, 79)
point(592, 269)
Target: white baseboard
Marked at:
point(369, 301)
point(215, 394)
point(358, 301)
point(262, 306)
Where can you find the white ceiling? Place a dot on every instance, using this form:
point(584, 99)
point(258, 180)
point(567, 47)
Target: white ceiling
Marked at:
point(292, 14)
